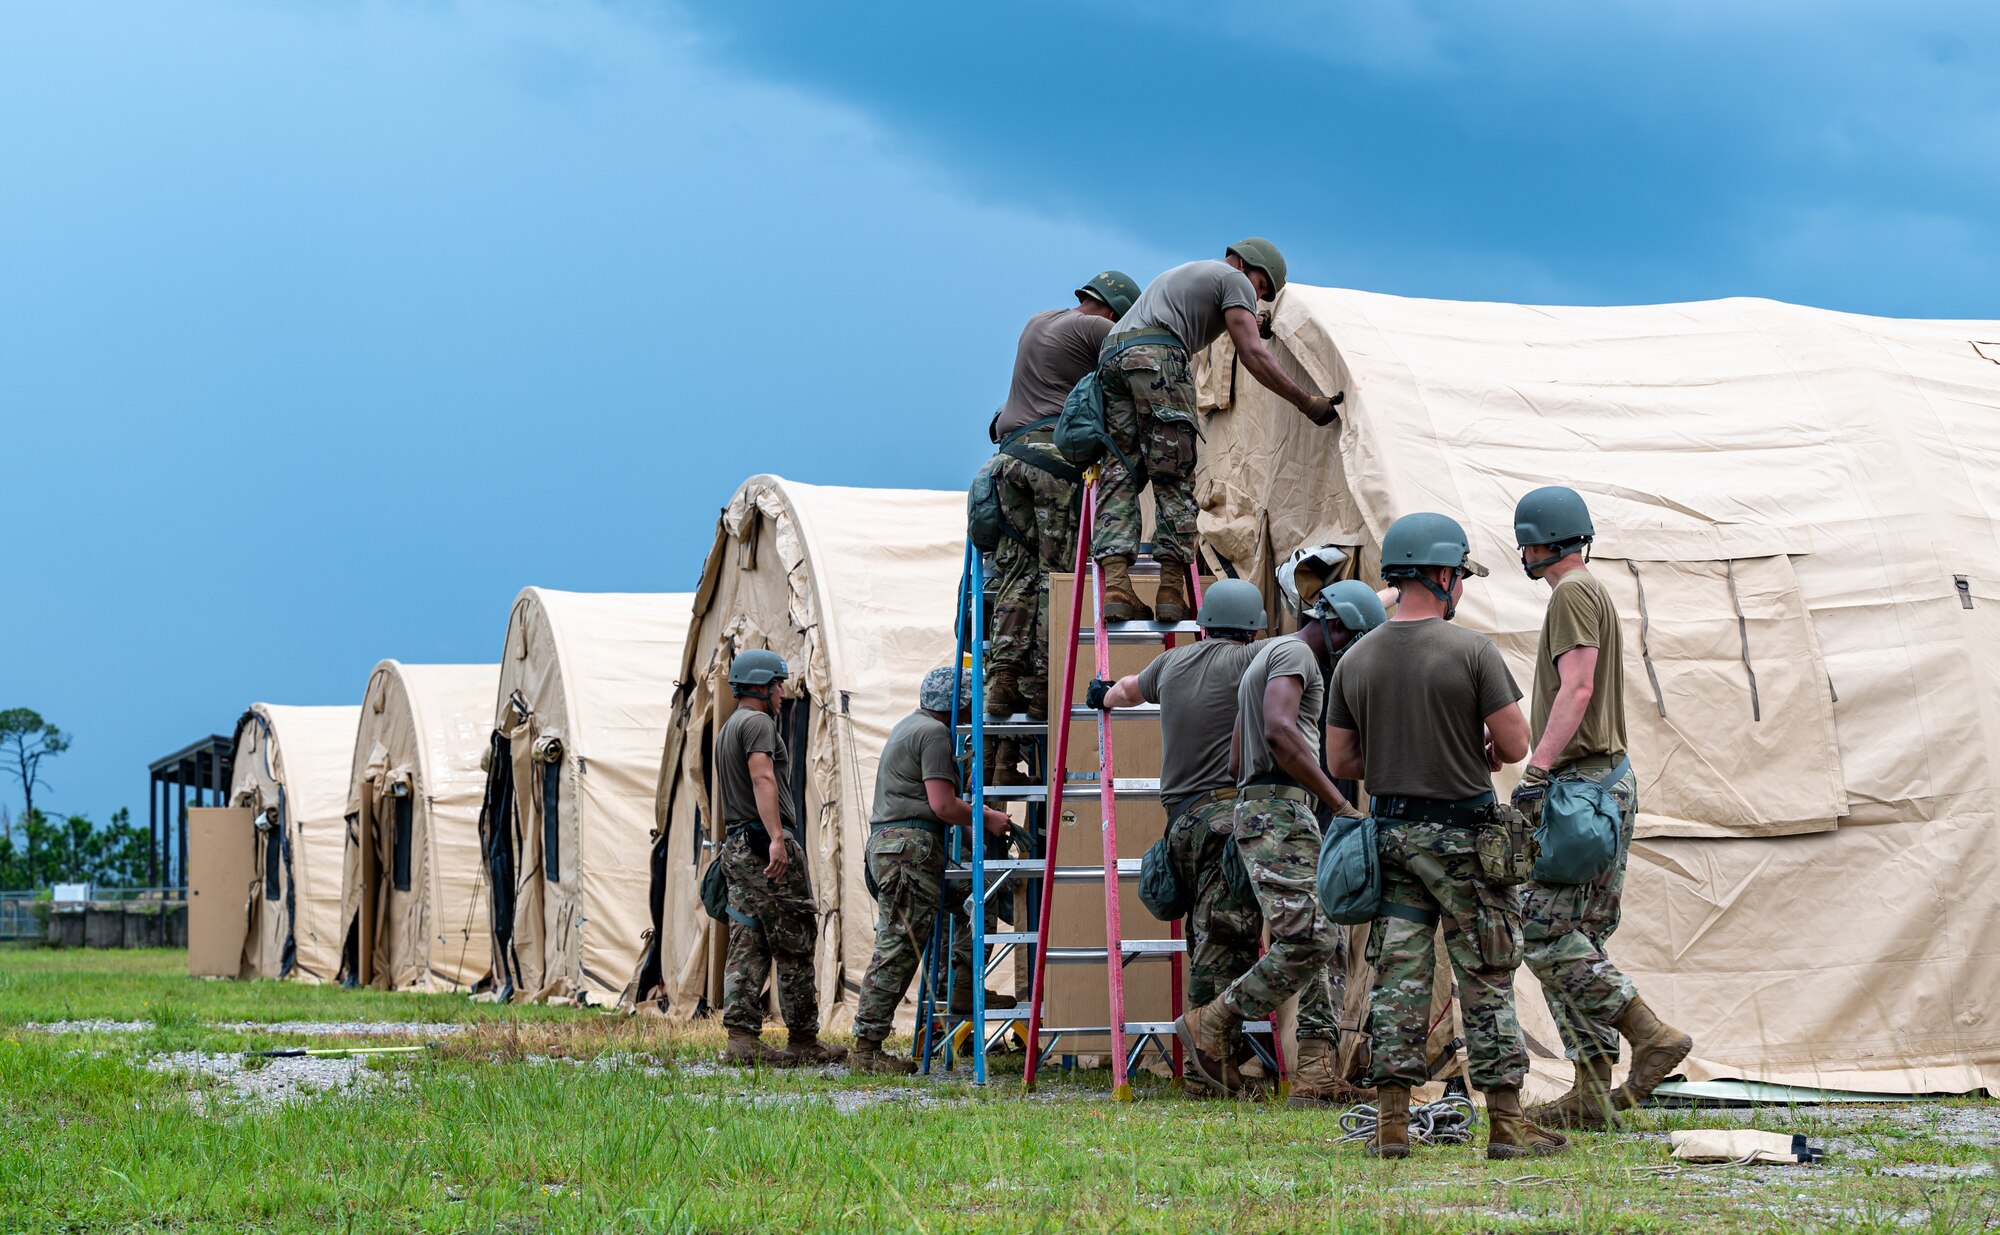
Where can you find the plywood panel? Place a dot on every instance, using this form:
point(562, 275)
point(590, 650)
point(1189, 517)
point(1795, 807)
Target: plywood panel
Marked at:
point(222, 870)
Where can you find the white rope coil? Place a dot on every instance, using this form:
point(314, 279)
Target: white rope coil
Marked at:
point(1447, 1121)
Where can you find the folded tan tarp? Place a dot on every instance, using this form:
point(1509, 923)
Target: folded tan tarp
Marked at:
point(291, 768)
point(1796, 513)
point(586, 690)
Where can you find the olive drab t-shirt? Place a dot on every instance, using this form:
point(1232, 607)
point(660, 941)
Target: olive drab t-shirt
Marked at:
point(1189, 301)
point(1582, 615)
point(748, 732)
point(918, 749)
point(1285, 656)
point(1419, 694)
point(1195, 687)
point(1057, 348)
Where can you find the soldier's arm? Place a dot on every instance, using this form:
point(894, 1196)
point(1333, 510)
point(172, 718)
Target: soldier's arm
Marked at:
point(764, 784)
point(1290, 748)
point(1507, 731)
point(1343, 752)
point(1258, 359)
point(1125, 694)
point(1578, 670)
point(952, 809)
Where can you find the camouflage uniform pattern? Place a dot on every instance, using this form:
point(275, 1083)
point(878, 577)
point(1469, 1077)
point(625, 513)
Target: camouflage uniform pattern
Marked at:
point(1433, 866)
point(787, 927)
point(1043, 507)
point(1278, 840)
point(1149, 408)
point(908, 867)
point(1567, 928)
point(1223, 931)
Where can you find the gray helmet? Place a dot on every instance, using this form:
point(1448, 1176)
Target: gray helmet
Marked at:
point(757, 667)
point(1426, 539)
point(935, 694)
point(1556, 516)
point(1232, 604)
point(1352, 603)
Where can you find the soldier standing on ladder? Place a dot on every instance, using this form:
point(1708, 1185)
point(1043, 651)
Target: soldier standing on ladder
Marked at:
point(1038, 494)
point(1149, 409)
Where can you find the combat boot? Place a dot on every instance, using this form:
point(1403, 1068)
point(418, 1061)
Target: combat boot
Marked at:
point(1003, 694)
point(1170, 603)
point(747, 1050)
point(1392, 1123)
point(1317, 1082)
point(1205, 1032)
point(1003, 763)
point(869, 1057)
point(1586, 1105)
point(1510, 1135)
point(1657, 1049)
point(806, 1049)
point(1121, 603)
point(961, 1000)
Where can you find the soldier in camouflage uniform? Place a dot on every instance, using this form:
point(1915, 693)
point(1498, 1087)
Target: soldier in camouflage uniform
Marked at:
point(916, 806)
point(1039, 498)
point(1149, 411)
point(1425, 712)
point(1578, 720)
point(772, 917)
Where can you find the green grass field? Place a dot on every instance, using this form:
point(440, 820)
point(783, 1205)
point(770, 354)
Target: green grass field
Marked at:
point(552, 1119)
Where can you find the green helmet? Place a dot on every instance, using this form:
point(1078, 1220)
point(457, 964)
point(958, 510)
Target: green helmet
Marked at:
point(757, 667)
point(1352, 603)
point(1426, 539)
point(1263, 255)
point(1114, 287)
point(1555, 516)
point(1232, 604)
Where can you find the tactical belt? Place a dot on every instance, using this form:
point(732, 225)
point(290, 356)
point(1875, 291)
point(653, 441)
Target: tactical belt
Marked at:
point(922, 825)
point(1145, 336)
point(1197, 801)
point(1463, 813)
point(1289, 792)
point(1589, 765)
point(1409, 913)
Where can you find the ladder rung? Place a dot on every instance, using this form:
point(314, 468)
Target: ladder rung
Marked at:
point(1121, 786)
point(1033, 867)
point(1016, 793)
point(997, 727)
point(1129, 948)
point(1137, 632)
point(1137, 1027)
point(1001, 939)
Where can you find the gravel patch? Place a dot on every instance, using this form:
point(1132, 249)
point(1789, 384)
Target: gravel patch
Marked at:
point(276, 1081)
point(89, 1026)
point(344, 1029)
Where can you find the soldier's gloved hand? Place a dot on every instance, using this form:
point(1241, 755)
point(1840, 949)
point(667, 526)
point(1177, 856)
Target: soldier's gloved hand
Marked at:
point(1324, 409)
point(1264, 324)
point(1099, 688)
point(1529, 793)
point(1020, 841)
point(1348, 810)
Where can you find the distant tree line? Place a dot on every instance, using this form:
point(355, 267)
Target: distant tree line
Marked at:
point(38, 849)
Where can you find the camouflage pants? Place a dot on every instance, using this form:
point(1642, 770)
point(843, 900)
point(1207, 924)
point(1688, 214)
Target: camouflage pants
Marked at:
point(908, 867)
point(1279, 841)
point(1223, 930)
point(785, 932)
point(1044, 507)
point(1432, 867)
point(1149, 407)
point(1567, 928)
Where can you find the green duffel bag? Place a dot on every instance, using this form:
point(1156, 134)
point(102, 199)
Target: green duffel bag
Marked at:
point(1350, 871)
point(715, 891)
point(1579, 827)
point(1160, 887)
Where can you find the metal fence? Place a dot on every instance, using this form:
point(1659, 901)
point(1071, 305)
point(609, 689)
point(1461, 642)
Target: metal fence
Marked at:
point(25, 915)
point(18, 919)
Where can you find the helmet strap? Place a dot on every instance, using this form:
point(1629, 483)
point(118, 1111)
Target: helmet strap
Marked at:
point(1442, 593)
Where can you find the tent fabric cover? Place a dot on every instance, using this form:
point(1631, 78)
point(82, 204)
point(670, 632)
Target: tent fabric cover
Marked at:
point(425, 727)
point(300, 756)
point(596, 672)
point(1807, 501)
point(855, 588)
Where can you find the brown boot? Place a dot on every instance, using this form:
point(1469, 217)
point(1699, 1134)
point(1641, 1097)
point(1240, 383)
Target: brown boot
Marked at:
point(961, 1000)
point(1586, 1105)
point(1657, 1049)
point(1392, 1123)
point(1003, 763)
point(1316, 1079)
point(869, 1057)
point(747, 1050)
point(1003, 694)
point(1510, 1135)
point(1170, 603)
point(1205, 1032)
point(807, 1049)
point(1121, 603)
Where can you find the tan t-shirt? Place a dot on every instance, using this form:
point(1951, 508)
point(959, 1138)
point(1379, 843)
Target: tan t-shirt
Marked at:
point(1581, 615)
point(918, 749)
point(1419, 694)
point(749, 732)
point(1057, 348)
point(1195, 687)
point(1284, 657)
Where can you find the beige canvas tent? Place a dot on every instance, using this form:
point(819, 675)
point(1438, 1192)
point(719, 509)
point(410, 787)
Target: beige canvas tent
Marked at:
point(856, 589)
point(414, 913)
point(1796, 510)
point(586, 688)
point(291, 770)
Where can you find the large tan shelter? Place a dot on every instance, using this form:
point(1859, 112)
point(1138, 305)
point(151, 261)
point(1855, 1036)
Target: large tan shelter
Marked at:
point(855, 588)
point(414, 905)
point(291, 768)
point(586, 690)
point(1797, 514)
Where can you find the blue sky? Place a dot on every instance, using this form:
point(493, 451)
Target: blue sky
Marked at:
point(326, 328)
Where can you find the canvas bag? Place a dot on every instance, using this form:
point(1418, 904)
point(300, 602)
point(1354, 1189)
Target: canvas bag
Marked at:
point(1160, 888)
point(1350, 872)
point(1579, 828)
point(715, 891)
point(1083, 432)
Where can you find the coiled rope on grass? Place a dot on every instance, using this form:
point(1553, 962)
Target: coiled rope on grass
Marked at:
point(1447, 1121)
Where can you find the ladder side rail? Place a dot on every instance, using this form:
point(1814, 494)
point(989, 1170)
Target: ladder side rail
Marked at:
point(977, 904)
point(927, 982)
point(1107, 798)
